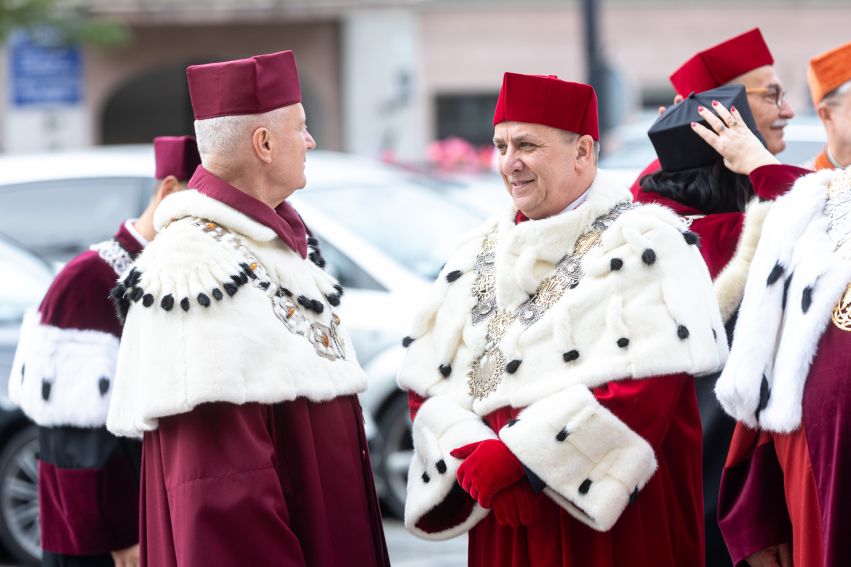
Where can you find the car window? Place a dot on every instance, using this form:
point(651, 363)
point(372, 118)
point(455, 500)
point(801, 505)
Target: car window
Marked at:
point(59, 219)
point(345, 271)
point(25, 281)
point(416, 226)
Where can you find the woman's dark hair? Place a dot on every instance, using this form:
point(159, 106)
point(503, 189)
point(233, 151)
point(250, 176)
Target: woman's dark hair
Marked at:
point(709, 189)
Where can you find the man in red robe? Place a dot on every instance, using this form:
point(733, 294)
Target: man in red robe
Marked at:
point(829, 76)
point(88, 479)
point(235, 365)
point(554, 416)
point(744, 59)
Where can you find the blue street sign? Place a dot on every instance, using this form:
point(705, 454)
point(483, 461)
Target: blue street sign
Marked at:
point(44, 71)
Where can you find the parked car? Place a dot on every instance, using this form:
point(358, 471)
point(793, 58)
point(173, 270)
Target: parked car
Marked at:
point(24, 282)
point(385, 234)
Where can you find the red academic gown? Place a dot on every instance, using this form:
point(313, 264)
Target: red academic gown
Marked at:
point(794, 487)
point(88, 478)
point(662, 527)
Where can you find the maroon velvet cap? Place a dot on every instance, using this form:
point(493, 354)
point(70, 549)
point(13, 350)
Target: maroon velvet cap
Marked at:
point(548, 100)
point(244, 86)
point(177, 156)
point(720, 64)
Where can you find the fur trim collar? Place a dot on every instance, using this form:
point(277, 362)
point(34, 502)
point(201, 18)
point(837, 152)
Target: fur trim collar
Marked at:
point(191, 203)
point(794, 281)
point(730, 283)
point(644, 307)
point(528, 252)
point(200, 327)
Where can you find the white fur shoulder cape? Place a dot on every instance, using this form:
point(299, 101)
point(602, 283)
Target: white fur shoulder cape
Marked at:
point(198, 330)
point(645, 307)
point(794, 281)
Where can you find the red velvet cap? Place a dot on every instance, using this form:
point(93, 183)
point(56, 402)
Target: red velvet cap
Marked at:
point(177, 156)
point(548, 100)
point(722, 63)
point(244, 86)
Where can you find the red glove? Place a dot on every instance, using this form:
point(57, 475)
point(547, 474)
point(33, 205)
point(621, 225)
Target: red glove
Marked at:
point(517, 505)
point(488, 467)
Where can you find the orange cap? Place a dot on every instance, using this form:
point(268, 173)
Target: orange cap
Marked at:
point(828, 71)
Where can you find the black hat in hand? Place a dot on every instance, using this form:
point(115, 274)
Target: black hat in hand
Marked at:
point(677, 144)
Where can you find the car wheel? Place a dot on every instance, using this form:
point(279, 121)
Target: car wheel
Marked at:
point(397, 448)
point(19, 527)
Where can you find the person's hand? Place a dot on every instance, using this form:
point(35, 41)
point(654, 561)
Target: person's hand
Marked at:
point(488, 467)
point(741, 149)
point(677, 99)
point(128, 557)
point(517, 505)
point(774, 556)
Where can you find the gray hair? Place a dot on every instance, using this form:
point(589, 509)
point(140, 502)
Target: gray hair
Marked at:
point(834, 97)
point(226, 135)
point(571, 137)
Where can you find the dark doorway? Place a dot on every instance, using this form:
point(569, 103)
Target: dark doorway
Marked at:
point(153, 104)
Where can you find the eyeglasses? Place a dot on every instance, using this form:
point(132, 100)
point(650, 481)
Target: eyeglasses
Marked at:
point(773, 93)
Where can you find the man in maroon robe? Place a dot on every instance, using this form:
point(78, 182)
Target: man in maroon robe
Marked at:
point(235, 365)
point(554, 416)
point(88, 479)
point(785, 484)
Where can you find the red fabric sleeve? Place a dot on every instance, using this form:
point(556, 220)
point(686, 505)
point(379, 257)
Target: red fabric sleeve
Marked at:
point(414, 402)
point(225, 500)
point(752, 510)
point(719, 235)
point(772, 181)
point(646, 406)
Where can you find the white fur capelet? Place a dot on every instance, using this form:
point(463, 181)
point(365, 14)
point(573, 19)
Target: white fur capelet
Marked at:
point(794, 281)
point(198, 330)
point(644, 307)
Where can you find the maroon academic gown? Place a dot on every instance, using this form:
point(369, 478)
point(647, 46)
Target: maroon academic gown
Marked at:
point(719, 235)
point(794, 487)
point(88, 479)
point(286, 484)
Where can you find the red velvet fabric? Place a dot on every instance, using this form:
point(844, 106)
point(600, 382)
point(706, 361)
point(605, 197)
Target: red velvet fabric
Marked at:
point(548, 100)
point(244, 86)
point(283, 219)
point(287, 484)
point(722, 63)
point(88, 511)
point(663, 527)
point(177, 156)
point(78, 297)
point(795, 487)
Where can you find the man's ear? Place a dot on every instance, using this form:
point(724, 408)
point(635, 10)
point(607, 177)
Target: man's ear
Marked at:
point(167, 186)
point(823, 112)
point(585, 149)
point(261, 143)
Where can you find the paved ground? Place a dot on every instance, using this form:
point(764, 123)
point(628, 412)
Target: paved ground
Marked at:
point(405, 549)
point(409, 551)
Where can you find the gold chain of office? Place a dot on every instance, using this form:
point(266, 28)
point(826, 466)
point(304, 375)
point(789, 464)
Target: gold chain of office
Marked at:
point(487, 370)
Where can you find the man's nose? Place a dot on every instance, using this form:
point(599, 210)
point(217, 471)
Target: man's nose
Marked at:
point(786, 110)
